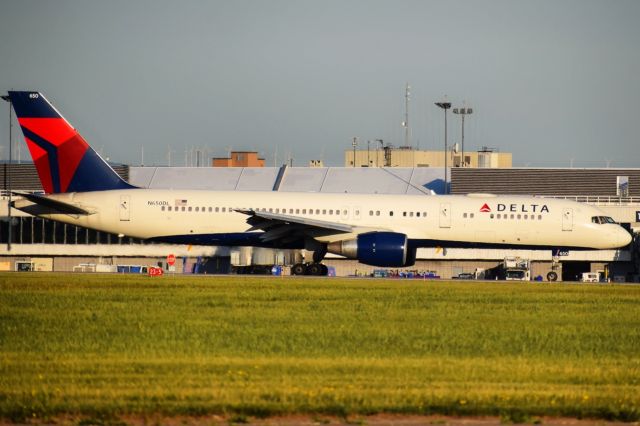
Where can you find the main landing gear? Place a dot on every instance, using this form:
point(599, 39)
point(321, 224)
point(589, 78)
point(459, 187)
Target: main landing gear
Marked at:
point(309, 269)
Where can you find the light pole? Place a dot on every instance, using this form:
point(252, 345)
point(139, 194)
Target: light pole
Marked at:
point(355, 144)
point(381, 142)
point(405, 123)
point(463, 112)
point(445, 105)
point(368, 151)
point(8, 172)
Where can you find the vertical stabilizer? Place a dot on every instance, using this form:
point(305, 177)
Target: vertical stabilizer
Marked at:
point(64, 160)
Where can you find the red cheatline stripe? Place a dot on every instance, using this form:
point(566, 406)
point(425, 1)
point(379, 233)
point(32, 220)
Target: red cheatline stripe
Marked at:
point(41, 160)
point(54, 130)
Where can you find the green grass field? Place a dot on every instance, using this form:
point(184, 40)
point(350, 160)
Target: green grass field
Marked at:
point(106, 345)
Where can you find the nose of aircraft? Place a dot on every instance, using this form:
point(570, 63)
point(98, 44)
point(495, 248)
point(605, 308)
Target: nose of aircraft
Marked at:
point(622, 237)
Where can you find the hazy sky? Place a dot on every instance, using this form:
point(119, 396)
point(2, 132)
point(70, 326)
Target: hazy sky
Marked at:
point(551, 81)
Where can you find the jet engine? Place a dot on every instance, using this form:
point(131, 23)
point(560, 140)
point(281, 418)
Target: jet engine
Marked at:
point(387, 249)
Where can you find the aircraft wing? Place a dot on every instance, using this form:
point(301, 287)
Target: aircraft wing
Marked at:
point(290, 228)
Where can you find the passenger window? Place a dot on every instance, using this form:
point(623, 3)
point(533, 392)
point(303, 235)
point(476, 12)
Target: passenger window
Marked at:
point(217, 209)
point(370, 212)
point(169, 208)
point(304, 211)
point(377, 212)
point(162, 208)
point(190, 208)
point(418, 214)
point(526, 216)
point(297, 211)
point(539, 217)
point(210, 209)
point(184, 208)
point(464, 215)
point(410, 214)
point(404, 214)
point(197, 209)
point(317, 211)
point(519, 216)
point(471, 215)
point(330, 211)
point(491, 216)
point(513, 216)
point(498, 216)
point(424, 214)
point(390, 212)
point(224, 209)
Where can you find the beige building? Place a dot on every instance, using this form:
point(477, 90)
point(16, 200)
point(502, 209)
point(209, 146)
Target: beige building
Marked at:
point(409, 157)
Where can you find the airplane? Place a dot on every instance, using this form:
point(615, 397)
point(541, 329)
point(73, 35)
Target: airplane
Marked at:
point(375, 229)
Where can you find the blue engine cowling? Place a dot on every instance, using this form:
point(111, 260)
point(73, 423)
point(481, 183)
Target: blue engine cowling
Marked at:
point(383, 249)
point(387, 249)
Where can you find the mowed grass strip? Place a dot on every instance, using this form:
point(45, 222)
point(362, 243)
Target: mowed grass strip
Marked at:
point(113, 344)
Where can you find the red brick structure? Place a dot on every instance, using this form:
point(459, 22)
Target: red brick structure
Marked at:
point(239, 159)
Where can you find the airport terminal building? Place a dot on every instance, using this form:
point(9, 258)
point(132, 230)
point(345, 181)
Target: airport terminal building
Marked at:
point(46, 245)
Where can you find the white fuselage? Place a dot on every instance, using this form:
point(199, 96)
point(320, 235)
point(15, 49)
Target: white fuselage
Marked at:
point(476, 218)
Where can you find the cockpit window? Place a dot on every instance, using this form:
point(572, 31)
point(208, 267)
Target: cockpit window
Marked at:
point(602, 219)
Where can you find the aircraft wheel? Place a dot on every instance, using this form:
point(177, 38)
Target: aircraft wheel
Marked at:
point(298, 269)
point(315, 269)
point(552, 276)
point(325, 270)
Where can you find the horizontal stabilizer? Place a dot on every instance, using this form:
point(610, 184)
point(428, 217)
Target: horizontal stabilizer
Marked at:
point(51, 206)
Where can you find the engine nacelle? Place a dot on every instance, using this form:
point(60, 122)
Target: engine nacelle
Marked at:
point(389, 249)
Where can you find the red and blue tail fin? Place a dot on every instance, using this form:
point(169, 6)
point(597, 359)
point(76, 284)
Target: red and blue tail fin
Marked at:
point(65, 162)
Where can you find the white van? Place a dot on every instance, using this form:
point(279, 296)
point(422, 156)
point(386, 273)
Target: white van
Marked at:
point(590, 277)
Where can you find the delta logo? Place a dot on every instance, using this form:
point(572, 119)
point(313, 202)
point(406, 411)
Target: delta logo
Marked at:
point(516, 208)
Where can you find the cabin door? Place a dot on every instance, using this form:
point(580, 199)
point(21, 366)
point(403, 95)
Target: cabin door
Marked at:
point(125, 212)
point(567, 219)
point(445, 215)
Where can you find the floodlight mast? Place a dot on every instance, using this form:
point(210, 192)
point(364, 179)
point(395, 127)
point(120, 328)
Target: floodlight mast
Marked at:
point(463, 112)
point(445, 105)
point(355, 144)
point(405, 124)
point(8, 171)
point(381, 142)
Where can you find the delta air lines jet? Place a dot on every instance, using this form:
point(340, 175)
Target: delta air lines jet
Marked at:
point(381, 230)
